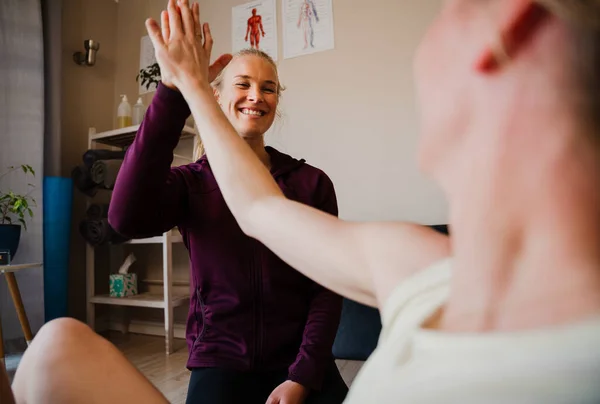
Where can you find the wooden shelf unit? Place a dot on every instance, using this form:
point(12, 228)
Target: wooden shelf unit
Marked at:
point(124, 137)
point(121, 138)
point(151, 300)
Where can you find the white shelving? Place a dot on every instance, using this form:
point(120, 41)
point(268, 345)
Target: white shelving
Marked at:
point(124, 137)
point(175, 238)
point(151, 300)
point(121, 138)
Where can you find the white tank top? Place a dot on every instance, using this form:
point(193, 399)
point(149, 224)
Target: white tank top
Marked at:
point(412, 365)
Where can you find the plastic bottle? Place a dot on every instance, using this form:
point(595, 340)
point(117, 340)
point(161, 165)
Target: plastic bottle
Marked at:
point(124, 113)
point(138, 112)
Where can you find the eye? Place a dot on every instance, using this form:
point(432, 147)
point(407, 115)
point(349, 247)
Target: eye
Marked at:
point(269, 90)
point(243, 85)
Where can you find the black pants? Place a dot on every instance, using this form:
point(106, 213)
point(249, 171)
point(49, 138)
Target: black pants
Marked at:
point(224, 386)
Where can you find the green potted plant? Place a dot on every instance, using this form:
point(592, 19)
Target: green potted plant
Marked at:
point(149, 75)
point(15, 209)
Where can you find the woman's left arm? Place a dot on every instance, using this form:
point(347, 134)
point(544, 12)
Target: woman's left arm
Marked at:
point(323, 317)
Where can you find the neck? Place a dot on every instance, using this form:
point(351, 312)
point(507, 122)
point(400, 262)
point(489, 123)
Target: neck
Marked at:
point(525, 241)
point(257, 144)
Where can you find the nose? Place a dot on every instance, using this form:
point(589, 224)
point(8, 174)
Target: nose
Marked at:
point(255, 95)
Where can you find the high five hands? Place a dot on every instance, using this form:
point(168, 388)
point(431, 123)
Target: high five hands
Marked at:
point(183, 46)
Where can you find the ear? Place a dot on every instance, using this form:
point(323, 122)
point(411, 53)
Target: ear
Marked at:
point(518, 22)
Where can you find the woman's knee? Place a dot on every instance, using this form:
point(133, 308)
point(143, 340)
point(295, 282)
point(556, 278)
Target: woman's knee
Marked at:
point(63, 330)
point(55, 340)
point(57, 344)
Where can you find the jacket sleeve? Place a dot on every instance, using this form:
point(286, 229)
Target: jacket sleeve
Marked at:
point(323, 318)
point(150, 197)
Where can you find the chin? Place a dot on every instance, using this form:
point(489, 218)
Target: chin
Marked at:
point(251, 133)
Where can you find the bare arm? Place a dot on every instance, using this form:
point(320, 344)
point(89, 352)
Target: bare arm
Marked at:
point(361, 261)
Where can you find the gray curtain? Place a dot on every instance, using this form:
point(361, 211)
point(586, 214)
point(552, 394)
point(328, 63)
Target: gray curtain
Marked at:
point(22, 142)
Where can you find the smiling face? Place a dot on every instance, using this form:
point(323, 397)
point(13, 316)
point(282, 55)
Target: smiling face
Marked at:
point(248, 94)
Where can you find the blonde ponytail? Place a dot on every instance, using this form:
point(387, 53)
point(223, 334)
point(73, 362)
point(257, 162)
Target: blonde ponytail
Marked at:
point(198, 145)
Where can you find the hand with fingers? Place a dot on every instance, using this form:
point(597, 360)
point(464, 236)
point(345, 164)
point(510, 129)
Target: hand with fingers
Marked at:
point(183, 45)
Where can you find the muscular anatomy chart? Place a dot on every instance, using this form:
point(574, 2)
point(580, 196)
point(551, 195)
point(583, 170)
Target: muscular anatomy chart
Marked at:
point(254, 30)
point(307, 27)
point(255, 26)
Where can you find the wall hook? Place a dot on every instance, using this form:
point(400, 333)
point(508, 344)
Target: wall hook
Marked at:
point(87, 58)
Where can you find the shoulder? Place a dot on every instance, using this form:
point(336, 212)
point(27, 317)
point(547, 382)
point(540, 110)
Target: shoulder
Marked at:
point(312, 180)
point(418, 296)
point(197, 167)
point(397, 251)
point(197, 176)
point(314, 172)
point(305, 179)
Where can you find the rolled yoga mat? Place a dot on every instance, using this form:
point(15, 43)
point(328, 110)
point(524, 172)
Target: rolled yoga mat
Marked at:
point(83, 181)
point(57, 196)
point(97, 211)
point(99, 232)
point(104, 172)
point(91, 156)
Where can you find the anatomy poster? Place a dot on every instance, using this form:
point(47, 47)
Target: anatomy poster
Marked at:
point(307, 27)
point(255, 26)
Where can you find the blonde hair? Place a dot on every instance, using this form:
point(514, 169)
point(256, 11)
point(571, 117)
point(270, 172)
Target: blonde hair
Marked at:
point(218, 82)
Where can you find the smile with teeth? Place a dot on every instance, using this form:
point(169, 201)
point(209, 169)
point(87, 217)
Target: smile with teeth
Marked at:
point(253, 112)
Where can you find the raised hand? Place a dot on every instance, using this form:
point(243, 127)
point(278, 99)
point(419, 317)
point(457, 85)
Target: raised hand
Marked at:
point(183, 46)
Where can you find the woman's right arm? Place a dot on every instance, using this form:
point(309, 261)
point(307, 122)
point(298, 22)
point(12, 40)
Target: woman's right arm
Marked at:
point(149, 196)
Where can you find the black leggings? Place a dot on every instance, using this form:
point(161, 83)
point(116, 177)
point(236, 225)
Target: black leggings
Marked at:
point(224, 386)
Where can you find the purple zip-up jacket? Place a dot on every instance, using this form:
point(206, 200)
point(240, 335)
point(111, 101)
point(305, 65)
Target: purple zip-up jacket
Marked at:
point(249, 310)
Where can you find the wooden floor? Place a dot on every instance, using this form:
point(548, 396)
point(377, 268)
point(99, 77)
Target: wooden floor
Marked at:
point(147, 353)
point(168, 373)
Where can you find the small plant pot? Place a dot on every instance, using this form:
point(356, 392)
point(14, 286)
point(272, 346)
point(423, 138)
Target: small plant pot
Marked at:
point(10, 235)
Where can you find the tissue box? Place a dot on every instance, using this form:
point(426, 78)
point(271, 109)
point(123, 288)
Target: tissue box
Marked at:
point(123, 285)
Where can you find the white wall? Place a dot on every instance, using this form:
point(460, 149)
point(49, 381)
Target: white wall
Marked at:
point(351, 111)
